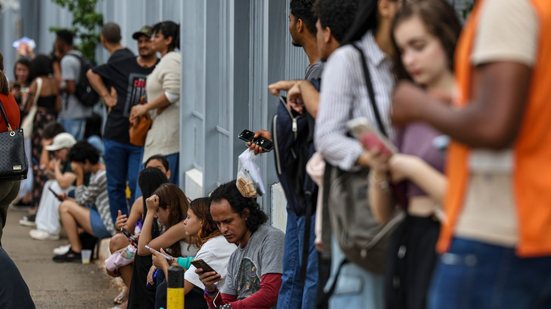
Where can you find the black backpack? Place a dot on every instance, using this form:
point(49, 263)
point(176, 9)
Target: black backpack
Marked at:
point(86, 95)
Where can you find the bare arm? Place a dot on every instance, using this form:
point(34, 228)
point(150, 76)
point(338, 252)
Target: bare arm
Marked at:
point(109, 97)
point(491, 120)
point(380, 199)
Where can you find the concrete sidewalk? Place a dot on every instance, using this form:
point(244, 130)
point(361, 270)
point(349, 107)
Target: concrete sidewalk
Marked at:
point(53, 285)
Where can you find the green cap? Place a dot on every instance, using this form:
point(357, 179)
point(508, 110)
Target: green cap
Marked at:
point(145, 30)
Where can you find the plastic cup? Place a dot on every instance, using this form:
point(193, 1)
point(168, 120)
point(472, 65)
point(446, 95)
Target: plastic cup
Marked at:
point(86, 255)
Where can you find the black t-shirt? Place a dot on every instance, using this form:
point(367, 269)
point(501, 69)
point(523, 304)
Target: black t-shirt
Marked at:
point(120, 54)
point(128, 78)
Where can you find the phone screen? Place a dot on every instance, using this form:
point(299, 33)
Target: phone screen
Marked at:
point(166, 256)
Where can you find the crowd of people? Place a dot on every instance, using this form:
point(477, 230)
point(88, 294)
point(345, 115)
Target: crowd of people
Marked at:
point(412, 156)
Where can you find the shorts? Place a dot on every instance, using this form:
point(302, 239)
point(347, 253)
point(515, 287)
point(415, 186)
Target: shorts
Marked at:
point(98, 228)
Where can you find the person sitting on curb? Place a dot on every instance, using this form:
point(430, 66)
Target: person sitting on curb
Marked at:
point(90, 208)
point(254, 269)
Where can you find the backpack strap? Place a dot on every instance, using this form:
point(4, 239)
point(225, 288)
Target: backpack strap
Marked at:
point(371, 91)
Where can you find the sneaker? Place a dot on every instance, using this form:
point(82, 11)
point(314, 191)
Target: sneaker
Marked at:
point(62, 249)
point(42, 235)
point(28, 221)
point(70, 256)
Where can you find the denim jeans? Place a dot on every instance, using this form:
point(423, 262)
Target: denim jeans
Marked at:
point(294, 293)
point(479, 275)
point(75, 127)
point(122, 164)
point(174, 166)
point(356, 288)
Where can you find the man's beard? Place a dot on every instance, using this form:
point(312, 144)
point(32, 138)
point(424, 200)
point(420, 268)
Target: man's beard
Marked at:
point(295, 44)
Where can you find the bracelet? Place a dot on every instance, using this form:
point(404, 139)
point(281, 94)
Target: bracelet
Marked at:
point(380, 183)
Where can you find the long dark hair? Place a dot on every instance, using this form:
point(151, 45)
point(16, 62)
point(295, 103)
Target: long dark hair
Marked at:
point(26, 62)
point(168, 29)
point(4, 89)
point(440, 20)
point(175, 200)
point(150, 179)
point(209, 229)
point(239, 203)
point(366, 20)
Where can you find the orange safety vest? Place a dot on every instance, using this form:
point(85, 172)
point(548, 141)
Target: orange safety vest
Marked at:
point(532, 151)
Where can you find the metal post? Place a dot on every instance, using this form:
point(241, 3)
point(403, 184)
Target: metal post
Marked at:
point(175, 288)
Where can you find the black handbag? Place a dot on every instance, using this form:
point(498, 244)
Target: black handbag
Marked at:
point(13, 162)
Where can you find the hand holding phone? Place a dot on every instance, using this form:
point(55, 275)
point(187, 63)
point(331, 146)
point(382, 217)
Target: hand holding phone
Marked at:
point(369, 137)
point(199, 263)
point(131, 238)
point(264, 143)
point(166, 256)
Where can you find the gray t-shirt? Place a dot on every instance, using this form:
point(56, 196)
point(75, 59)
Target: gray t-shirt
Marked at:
point(71, 107)
point(262, 255)
point(313, 71)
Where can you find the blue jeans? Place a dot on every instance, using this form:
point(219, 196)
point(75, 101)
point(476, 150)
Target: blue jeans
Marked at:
point(356, 288)
point(174, 166)
point(122, 163)
point(294, 293)
point(478, 275)
point(75, 127)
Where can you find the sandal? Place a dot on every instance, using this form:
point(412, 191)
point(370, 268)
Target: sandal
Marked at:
point(121, 298)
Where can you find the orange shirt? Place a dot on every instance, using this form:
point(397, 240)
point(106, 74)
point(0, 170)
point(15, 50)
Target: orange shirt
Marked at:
point(532, 151)
point(12, 111)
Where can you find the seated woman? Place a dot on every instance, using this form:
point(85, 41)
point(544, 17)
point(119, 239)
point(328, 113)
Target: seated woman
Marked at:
point(90, 208)
point(168, 205)
point(149, 179)
point(215, 251)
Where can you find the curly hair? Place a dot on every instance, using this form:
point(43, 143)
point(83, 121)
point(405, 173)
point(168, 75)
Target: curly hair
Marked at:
point(337, 15)
point(239, 203)
point(302, 9)
point(201, 208)
point(83, 151)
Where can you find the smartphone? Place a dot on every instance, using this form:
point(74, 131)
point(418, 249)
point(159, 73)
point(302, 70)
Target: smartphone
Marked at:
point(166, 256)
point(362, 130)
point(131, 238)
point(248, 136)
point(57, 195)
point(203, 265)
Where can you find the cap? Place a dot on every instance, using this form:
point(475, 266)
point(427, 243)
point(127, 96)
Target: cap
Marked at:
point(145, 30)
point(62, 140)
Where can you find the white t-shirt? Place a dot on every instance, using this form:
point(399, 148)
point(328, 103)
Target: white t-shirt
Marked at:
point(216, 252)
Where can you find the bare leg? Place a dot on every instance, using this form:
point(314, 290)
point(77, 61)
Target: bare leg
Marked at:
point(72, 216)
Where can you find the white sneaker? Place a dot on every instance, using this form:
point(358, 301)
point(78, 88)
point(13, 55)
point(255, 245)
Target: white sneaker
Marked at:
point(42, 235)
point(62, 249)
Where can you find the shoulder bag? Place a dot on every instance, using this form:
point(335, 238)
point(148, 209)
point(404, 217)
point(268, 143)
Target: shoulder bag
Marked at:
point(13, 162)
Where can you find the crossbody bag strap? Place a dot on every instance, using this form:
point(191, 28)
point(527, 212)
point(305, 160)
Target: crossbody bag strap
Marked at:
point(5, 117)
point(371, 91)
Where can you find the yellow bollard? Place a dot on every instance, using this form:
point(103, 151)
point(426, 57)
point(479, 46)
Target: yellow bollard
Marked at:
point(175, 288)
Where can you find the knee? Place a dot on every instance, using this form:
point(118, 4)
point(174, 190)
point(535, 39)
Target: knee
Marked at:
point(117, 242)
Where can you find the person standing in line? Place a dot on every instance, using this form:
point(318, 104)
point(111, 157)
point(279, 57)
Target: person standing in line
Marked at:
point(14, 292)
point(344, 97)
point(495, 242)
point(121, 84)
point(163, 98)
point(73, 113)
point(110, 39)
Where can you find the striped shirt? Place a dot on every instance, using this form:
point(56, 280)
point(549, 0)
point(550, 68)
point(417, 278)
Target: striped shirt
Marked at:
point(96, 193)
point(344, 96)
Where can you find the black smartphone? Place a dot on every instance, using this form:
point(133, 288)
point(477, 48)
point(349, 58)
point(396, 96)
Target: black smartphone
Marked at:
point(203, 265)
point(131, 238)
point(248, 136)
point(57, 196)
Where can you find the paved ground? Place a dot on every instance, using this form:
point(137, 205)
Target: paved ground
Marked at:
point(52, 285)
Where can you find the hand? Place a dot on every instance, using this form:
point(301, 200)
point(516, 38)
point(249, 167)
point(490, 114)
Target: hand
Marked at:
point(260, 133)
point(407, 103)
point(160, 262)
point(294, 98)
point(375, 159)
point(150, 275)
point(282, 85)
point(209, 279)
point(402, 166)
point(57, 164)
point(111, 99)
point(137, 111)
point(121, 220)
point(62, 196)
point(152, 203)
point(46, 142)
